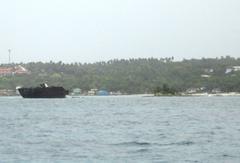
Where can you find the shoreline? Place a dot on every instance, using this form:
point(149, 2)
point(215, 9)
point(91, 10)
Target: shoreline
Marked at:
point(152, 95)
point(202, 94)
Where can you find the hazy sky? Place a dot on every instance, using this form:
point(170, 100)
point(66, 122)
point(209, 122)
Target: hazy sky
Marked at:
point(96, 30)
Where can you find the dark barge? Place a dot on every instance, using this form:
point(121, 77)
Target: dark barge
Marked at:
point(43, 92)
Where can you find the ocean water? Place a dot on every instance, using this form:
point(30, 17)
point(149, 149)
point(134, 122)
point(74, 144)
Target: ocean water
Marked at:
point(120, 129)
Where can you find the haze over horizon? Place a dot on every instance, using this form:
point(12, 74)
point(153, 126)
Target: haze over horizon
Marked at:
point(90, 31)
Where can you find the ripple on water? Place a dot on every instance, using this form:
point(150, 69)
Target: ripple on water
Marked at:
point(132, 143)
point(136, 143)
point(126, 129)
point(184, 143)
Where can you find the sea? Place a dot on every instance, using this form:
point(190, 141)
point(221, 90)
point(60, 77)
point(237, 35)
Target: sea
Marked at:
point(120, 129)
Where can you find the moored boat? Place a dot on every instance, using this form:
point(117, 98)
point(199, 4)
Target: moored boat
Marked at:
point(43, 91)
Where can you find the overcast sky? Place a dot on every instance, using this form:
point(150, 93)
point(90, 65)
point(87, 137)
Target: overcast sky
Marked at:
point(99, 30)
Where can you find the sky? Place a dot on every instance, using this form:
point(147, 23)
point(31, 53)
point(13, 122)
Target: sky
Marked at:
point(100, 30)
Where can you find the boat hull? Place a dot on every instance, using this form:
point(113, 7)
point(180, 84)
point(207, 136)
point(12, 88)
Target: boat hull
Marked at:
point(38, 92)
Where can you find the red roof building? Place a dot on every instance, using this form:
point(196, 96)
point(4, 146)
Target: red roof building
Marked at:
point(17, 70)
point(6, 71)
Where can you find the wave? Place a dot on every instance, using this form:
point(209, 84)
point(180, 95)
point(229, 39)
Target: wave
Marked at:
point(184, 143)
point(133, 143)
point(136, 143)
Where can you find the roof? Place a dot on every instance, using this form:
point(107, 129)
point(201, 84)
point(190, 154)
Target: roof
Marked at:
point(13, 70)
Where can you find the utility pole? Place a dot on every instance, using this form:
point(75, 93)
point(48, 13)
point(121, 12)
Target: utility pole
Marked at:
point(9, 56)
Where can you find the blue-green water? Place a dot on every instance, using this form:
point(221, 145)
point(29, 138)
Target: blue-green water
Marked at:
point(120, 129)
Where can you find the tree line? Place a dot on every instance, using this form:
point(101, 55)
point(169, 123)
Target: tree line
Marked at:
point(131, 76)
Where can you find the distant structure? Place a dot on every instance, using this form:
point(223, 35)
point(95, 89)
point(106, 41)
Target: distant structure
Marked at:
point(228, 70)
point(11, 71)
point(232, 69)
point(236, 68)
point(9, 56)
point(76, 92)
point(102, 93)
point(92, 92)
point(205, 76)
point(208, 70)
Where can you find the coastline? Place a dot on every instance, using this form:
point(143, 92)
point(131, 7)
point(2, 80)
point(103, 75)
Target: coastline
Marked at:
point(152, 95)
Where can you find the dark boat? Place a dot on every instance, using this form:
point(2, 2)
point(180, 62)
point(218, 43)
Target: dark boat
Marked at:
point(43, 92)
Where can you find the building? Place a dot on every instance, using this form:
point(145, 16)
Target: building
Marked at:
point(228, 70)
point(232, 69)
point(6, 71)
point(102, 93)
point(236, 68)
point(205, 76)
point(10, 71)
point(92, 92)
point(208, 70)
point(76, 92)
point(20, 70)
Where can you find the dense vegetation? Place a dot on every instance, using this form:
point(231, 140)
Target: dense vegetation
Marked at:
point(165, 90)
point(133, 75)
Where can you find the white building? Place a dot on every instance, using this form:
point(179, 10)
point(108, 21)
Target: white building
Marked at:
point(228, 70)
point(236, 68)
point(205, 76)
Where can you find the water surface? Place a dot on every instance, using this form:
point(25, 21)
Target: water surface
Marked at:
point(120, 129)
